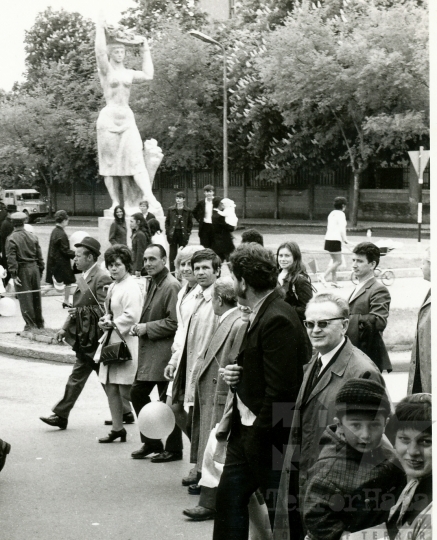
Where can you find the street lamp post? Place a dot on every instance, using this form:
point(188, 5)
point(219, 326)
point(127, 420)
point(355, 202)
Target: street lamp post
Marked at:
point(211, 41)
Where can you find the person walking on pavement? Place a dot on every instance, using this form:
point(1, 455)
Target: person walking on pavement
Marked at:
point(369, 306)
point(26, 265)
point(335, 236)
point(156, 331)
point(178, 225)
point(203, 212)
point(5, 230)
point(419, 377)
point(80, 329)
point(59, 257)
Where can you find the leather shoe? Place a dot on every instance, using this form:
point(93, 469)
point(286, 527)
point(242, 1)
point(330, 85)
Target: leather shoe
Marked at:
point(194, 489)
point(192, 478)
point(128, 418)
point(145, 451)
point(165, 457)
point(55, 421)
point(199, 513)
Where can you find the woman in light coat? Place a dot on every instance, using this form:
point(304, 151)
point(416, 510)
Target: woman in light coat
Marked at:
point(123, 306)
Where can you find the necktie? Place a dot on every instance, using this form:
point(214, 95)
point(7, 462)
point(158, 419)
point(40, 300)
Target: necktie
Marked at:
point(317, 370)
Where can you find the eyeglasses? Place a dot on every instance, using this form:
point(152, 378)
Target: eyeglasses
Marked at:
point(322, 323)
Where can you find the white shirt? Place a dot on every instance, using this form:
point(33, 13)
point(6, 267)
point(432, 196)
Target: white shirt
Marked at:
point(247, 416)
point(326, 358)
point(358, 288)
point(86, 274)
point(226, 313)
point(208, 212)
point(336, 226)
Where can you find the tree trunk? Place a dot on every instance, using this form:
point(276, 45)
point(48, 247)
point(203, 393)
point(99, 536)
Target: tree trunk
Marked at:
point(355, 197)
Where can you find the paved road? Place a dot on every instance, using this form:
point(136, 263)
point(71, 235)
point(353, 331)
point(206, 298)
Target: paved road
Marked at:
point(63, 485)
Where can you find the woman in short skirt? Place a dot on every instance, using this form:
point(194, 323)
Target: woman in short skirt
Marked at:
point(335, 236)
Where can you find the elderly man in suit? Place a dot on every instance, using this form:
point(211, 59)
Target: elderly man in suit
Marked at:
point(87, 307)
point(156, 331)
point(203, 212)
point(336, 360)
point(268, 375)
point(211, 390)
point(419, 377)
point(369, 306)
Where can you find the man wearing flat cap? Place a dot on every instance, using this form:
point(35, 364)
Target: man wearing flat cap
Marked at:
point(26, 265)
point(80, 329)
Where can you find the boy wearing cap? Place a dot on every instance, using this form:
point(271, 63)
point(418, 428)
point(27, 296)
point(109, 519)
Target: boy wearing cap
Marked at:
point(351, 486)
point(178, 225)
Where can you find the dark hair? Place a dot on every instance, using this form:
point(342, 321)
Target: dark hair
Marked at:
point(256, 265)
point(180, 194)
point(60, 216)
point(119, 220)
point(412, 412)
point(154, 226)
point(207, 255)
point(87, 252)
point(143, 225)
point(162, 251)
point(144, 202)
point(252, 235)
point(298, 266)
point(339, 202)
point(119, 251)
point(209, 187)
point(368, 249)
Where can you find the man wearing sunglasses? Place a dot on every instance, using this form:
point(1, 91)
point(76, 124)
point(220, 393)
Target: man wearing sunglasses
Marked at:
point(335, 361)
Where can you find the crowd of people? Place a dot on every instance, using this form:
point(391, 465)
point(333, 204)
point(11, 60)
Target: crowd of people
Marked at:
point(278, 387)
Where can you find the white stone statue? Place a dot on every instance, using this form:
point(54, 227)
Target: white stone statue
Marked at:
point(120, 148)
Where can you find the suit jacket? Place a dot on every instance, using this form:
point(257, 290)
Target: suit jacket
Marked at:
point(369, 312)
point(419, 377)
point(272, 356)
point(171, 221)
point(94, 287)
point(211, 390)
point(310, 419)
point(159, 312)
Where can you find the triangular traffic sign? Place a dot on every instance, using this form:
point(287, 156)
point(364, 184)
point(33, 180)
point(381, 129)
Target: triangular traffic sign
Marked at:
point(414, 156)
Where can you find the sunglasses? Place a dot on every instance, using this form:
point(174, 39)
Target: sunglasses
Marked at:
point(322, 323)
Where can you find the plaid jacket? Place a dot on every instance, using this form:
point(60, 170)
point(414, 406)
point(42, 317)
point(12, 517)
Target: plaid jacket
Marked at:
point(348, 490)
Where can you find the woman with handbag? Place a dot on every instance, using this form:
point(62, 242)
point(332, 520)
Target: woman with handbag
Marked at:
point(119, 354)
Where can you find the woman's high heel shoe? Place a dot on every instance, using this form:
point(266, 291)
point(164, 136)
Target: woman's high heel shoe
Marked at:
point(114, 435)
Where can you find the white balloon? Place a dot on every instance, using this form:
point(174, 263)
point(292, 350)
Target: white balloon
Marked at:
point(77, 237)
point(156, 420)
point(8, 307)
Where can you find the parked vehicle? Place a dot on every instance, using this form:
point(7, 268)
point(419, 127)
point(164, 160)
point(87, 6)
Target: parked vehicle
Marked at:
point(28, 201)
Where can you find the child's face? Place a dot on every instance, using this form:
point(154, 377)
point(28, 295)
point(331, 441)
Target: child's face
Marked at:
point(209, 194)
point(180, 200)
point(363, 431)
point(144, 207)
point(414, 450)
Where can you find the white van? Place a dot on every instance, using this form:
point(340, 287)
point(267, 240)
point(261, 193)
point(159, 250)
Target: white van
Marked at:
point(28, 201)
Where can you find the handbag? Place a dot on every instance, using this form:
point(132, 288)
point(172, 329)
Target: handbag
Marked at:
point(116, 353)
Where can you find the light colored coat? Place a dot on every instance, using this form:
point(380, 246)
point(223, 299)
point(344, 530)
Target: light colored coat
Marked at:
point(126, 303)
point(422, 349)
point(211, 390)
point(310, 420)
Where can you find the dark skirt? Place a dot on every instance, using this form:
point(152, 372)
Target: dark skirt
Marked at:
point(333, 246)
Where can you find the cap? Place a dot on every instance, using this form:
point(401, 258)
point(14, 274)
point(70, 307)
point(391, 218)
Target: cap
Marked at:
point(90, 243)
point(19, 216)
point(11, 207)
point(362, 395)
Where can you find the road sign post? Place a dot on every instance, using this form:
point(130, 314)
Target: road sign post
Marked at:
point(419, 160)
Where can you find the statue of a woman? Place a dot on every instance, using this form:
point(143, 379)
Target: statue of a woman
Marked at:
point(120, 148)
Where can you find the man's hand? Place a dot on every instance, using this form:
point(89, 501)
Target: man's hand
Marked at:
point(72, 312)
point(138, 329)
point(17, 281)
point(231, 374)
point(60, 334)
point(169, 372)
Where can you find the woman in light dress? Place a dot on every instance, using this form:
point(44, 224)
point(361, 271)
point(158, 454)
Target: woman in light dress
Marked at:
point(123, 306)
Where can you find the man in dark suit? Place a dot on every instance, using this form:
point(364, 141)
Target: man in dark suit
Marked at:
point(336, 360)
point(6, 229)
point(270, 366)
point(178, 225)
point(369, 306)
point(203, 212)
point(87, 307)
point(156, 331)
